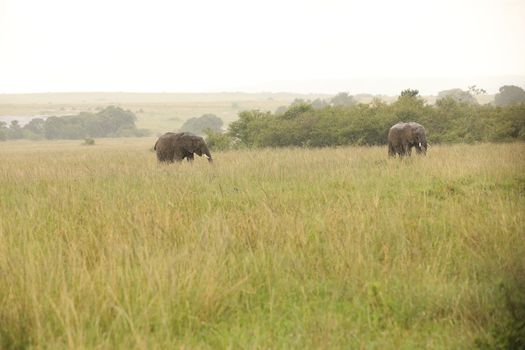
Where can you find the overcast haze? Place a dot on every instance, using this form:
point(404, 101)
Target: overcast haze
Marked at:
point(236, 45)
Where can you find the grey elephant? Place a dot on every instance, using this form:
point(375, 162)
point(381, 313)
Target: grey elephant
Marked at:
point(174, 147)
point(403, 136)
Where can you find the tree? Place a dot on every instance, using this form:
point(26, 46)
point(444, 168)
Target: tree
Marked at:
point(409, 93)
point(15, 131)
point(201, 124)
point(36, 126)
point(108, 122)
point(319, 104)
point(343, 99)
point(250, 127)
point(3, 131)
point(296, 110)
point(509, 95)
point(218, 141)
point(476, 91)
point(281, 110)
point(53, 127)
point(408, 107)
point(458, 95)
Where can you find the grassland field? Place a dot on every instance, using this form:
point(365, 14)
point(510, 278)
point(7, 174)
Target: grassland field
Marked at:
point(101, 247)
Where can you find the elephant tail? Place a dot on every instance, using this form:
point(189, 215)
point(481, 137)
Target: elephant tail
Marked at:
point(155, 147)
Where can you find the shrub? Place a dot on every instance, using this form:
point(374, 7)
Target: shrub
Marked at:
point(218, 141)
point(88, 141)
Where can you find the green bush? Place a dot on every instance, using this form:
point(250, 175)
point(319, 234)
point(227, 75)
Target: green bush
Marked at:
point(450, 120)
point(218, 141)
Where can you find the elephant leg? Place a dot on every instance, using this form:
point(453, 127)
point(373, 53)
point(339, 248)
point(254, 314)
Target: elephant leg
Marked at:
point(164, 157)
point(405, 149)
point(399, 150)
point(189, 158)
point(391, 150)
point(180, 154)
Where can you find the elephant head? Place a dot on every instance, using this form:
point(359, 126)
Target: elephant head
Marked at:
point(403, 136)
point(174, 147)
point(419, 138)
point(191, 143)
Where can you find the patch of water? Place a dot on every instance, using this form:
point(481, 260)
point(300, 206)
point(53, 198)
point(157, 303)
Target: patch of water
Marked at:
point(22, 120)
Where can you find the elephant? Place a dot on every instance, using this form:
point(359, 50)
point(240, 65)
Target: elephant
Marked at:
point(174, 147)
point(403, 136)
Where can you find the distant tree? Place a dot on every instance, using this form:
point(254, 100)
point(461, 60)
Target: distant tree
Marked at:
point(15, 131)
point(458, 95)
point(36, 126)
point(281, 110)
point(88, 141)
point(409, 93)
point(3, 131)
point(319, 104)
point(302, 104)
point(113, 121)
point(476, 91)
point(202, 123)
point(53, 127)
point(509, 95)
point(296, 110)
point(343, 99)
point(409, 107)
point(363, 97)
point(109, 122)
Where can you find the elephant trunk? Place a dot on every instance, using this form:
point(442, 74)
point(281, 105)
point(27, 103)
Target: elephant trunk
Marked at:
point(423, 145)
point(206, 152)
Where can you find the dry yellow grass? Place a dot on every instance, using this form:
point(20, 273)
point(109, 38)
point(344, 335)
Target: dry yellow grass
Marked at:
point(100, 247)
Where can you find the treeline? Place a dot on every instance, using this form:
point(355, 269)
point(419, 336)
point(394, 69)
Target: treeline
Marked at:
point(305, 124)
point(110, 122)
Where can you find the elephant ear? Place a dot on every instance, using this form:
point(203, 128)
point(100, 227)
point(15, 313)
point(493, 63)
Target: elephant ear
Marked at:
point(414, 133)
point(198, 146)
point(419, 132)
point(192, 144)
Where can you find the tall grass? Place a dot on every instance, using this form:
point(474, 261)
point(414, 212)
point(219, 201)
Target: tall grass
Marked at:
point(100, 247)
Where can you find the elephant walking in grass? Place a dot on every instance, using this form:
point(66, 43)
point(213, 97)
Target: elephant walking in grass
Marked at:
point(174, 147)
point(403, 136)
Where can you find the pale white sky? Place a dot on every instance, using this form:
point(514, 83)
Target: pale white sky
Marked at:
point(271, 45)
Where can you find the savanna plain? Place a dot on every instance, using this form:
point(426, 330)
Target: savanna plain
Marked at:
point(101, 247)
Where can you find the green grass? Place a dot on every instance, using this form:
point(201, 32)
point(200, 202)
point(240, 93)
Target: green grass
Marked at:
point(100, 247)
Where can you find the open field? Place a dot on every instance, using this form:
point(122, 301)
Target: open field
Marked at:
point(319, 248)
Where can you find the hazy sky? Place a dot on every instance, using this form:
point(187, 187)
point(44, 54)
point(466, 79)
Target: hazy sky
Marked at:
point(232, 45)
